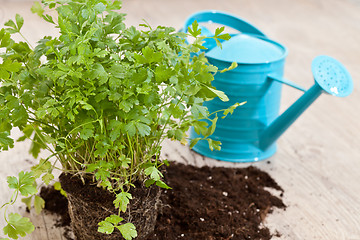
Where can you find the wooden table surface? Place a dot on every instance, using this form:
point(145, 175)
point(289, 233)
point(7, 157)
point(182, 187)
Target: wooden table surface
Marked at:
point(318, 158)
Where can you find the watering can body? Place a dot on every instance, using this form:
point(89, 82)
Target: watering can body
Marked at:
point(250, 133)
point(241, 131)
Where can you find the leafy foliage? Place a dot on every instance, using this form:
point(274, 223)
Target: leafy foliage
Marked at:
point(102, 97)
point(18, 226)
point(127, 230)
point(57, 186)
point(122, 200)
point(25, 184)
point(39, 203)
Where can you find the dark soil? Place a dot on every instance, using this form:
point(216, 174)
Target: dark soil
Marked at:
point(57, 203)
point(88, 205)
point(210, 204)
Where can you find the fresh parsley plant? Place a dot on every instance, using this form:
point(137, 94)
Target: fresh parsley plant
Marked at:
point(101, 97)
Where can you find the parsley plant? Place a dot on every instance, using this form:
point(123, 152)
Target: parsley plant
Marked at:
point(101, 97)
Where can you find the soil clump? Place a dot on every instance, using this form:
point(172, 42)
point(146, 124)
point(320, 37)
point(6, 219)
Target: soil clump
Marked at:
point(210, 204)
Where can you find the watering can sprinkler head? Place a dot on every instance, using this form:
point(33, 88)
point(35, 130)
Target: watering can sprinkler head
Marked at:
point(330, 77)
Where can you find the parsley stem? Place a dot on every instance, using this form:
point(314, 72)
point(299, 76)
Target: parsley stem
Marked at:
point(46, 124)
point(26, 40)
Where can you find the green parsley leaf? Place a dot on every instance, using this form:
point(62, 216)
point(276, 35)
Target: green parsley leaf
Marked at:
point(199, 111)
point(12, 25)
point(27, 201)
point(122, 200)
point(39, 204)
point(212, 128)
point(232, 66)
point(231, 109)
point(19, 21)
point(4, 38)
point(5, 141)
point(219, 93)
point(130, 128)
point(128, 231)
point(44, 166)
point(194, 30)
point(143, 129)
point(161, 184)
point(47, 178)
point(100, 7)
point(37, 8)
point(193, 142)
point(26, 184)
point(114, 219)
point(106, 227)
point(57, 186)
point(18, 225)
point(149, 182)
point(214, 144)
point(153, 172)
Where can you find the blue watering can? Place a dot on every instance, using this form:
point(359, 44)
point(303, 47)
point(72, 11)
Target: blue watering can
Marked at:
point(250, 133)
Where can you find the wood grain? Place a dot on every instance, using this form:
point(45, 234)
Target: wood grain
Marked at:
point(318, 158)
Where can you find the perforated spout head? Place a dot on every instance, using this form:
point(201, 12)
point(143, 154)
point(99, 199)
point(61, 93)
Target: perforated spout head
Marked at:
point(332, 76)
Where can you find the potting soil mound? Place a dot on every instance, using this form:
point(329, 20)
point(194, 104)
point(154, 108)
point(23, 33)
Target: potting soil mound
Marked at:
point(212, 204)
point(57, 203)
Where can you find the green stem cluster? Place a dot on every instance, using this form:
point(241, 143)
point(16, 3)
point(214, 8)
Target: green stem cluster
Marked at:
point(103, 100)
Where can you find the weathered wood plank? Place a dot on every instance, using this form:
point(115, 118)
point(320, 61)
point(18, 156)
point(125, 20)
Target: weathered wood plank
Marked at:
point(318, 159)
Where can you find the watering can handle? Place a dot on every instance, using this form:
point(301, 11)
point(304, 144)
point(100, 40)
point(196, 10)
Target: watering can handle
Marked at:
point(224, 19)
point(286, 82)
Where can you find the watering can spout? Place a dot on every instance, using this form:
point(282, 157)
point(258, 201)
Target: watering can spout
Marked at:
point(330, 77)
point(284, 121)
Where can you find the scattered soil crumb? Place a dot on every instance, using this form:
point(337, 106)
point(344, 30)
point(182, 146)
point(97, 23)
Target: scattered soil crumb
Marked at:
point(230, 204)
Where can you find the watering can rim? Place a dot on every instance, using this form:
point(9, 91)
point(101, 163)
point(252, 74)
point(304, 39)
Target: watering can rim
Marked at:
point(264, 38)
point(244, 27)
point(223, 15)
